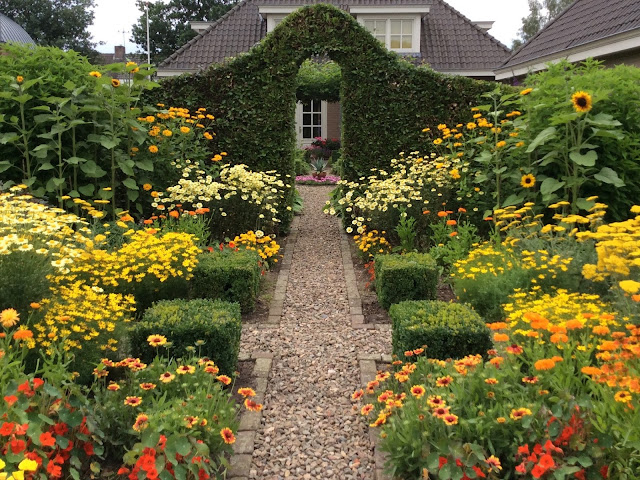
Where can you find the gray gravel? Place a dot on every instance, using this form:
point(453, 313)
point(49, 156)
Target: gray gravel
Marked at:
point(310, 428)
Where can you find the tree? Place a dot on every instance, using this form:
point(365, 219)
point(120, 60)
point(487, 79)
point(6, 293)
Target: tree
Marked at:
point(54, 23)
point(169, 23)
point(541, 13)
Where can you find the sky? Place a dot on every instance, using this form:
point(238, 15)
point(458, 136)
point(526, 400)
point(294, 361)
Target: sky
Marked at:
point(113, 17)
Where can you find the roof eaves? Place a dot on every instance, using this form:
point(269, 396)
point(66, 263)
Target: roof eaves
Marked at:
point(539, 32)
point(211, 27)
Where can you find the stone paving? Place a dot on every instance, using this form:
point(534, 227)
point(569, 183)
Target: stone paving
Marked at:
point(309, 356)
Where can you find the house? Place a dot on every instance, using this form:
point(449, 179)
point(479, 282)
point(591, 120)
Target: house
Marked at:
point(426, 31)
point(10, 31)
point(607, 30)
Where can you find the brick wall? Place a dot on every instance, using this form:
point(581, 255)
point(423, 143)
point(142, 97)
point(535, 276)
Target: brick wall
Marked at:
point(334, 120)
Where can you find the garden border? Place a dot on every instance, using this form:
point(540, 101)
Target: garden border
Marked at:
point(277, 302)
point(240, 464)
point(368, 371)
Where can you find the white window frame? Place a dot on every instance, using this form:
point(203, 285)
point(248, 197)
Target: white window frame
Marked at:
point(415, 40)
point(275, 14)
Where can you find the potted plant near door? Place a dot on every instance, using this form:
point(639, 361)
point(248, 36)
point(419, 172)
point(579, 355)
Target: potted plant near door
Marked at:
point(318, 166)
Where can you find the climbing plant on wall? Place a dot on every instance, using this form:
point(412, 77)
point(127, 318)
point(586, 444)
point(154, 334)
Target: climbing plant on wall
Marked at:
point(386, 101)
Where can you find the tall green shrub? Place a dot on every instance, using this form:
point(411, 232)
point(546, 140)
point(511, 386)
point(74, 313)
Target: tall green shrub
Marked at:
point(386, 101)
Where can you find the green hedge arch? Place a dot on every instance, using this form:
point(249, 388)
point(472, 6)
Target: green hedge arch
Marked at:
point(386, 101)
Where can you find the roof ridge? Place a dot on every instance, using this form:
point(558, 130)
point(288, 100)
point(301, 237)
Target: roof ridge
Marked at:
point(539, 32)
point(210, 28)
point(469, 21)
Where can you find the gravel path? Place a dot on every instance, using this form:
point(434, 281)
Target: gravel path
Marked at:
point(310, 429)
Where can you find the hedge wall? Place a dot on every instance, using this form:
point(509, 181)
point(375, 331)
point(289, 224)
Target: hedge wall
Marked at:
point(386, 100)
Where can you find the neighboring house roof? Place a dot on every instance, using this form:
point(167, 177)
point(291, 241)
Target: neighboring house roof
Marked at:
point(583, 27)
point(10, 31)
point(450, 42)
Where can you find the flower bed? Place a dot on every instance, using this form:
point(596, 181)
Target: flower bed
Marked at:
point(311, 180)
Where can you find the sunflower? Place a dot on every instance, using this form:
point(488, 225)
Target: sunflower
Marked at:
point(581, 101)
point(528, 180)
point(115, 82)
point(95, 74)
point(526, 91)
point(19, 79)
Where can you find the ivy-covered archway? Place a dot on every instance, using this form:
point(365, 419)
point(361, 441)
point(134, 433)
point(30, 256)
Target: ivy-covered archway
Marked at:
point(386, 101)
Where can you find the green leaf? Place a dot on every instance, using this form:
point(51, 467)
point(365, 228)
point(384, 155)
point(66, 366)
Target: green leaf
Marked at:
point(550, 185)
point(126, 168)
point(87, 190)
point(22, 99)
point(62, 441)
point(146, 165)
point(599, 132)
point(130, 183)
point(8, 138)
point(75, 160)
point(544, 136)
point(445, 472)
point(133, 195)
point(91, 169)
point(583, 204)
point(585, 461)
point(4, 166)
point(109, 143)
point(585, 160)
point(46, 166)
point(512, 199)
point(607, 175)
point(46, 419)
point(433, 462)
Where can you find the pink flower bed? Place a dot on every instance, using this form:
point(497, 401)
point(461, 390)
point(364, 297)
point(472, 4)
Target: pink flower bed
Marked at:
point(328, 180)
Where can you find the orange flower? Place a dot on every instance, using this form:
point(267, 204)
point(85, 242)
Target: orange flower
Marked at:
point(366, 409)
point(559, 338)
point(451, 222)
point(227, 436)
point(497, 325)
point(444, 381)
point(114, 387)
point(453, 234)
point(435, 401)
point(592, 371)
point(184, 369)
point(574, 324)
point(442, 214)
point(462, 210)
point(252, 406)
point(531, 379)
point(518, 413)
point(147, 386)
point(418, 391)
point(34, 305)
point(440, 412)
point(174, 213)
point(247, 392)
point(500, 337)
point(450, 419)
point(491, 381)
point(166, 377)
point(357, 394)
point(545, 364)
point(22, 334)
point(132, 401)
point(223, 379)
point(608, 346)
point(493, 462)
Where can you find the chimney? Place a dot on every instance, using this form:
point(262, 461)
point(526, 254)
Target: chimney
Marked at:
point(119, 53)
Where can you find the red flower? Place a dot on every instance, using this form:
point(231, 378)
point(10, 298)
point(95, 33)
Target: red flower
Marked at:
point(60, 428)
point(47, 440)
point(88, 449)
point(26, 389)
point(22, 429)
point(17, 446)
point(604, 471)
point(546, 461)
point(442, 461)
point(34, 456)
point(162, 442)
point(54, 471)
point(524, 450)
point(6, 429)
point(479, 472)
point(37, 383)
point(538, 471)
point(521, 468)
point(581, 475)
point(11, 399)
point(123, 471)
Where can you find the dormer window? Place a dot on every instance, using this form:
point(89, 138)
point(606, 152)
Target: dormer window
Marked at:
point(397, 28)
point(275, 14)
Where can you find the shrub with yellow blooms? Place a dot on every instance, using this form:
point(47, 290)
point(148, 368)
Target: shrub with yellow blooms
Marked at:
point(265, 245)
point(36, 240)
point(371, 243)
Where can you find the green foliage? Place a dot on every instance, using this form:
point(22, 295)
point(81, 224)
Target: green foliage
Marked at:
point(301, 166)
point(540, 13)
point(413, 276)
point(318, 81)
point(56, 23)
point(449, 330)
point(230, 275)
point(616, 98)
point(69, 136)
point(383, 97)
point(169, 27)
point(406, 230)
point(216, 323)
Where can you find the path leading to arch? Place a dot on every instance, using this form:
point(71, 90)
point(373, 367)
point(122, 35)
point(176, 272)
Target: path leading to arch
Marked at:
point(309, 428)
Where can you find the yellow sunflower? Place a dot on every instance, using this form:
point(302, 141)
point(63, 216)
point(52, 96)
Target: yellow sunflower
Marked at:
point(581, 101)
point(528, 181)
point(115, 82)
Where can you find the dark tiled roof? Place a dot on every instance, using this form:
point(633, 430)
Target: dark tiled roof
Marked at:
point(583, 22)
point(450, 42)
point(107, 58)
point(10, 31)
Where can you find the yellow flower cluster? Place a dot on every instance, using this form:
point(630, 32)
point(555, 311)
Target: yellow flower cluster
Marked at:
point(28, 226)
point(175, 118)
point(618, 248)
point(263, 189)
point(412, 180)
point(563, 309)
point(77, 314)
point(372, 243)
point(266, 247)
point(485, 259)
point(162, 256)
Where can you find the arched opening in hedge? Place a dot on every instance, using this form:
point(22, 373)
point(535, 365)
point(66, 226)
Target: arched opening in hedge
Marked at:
point(386, 101)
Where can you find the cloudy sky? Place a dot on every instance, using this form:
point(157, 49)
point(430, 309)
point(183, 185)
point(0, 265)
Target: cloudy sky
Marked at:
point(113, 17)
